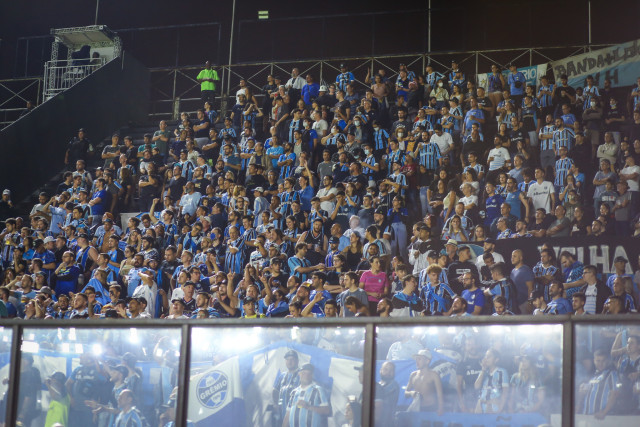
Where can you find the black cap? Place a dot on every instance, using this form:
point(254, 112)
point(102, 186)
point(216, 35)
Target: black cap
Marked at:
point(333, 240)
point(380, 211)
point(249, 300)
point(620, 258)
point(490, 240)
point(58, 377)
point(291, 353)
point(535, 295)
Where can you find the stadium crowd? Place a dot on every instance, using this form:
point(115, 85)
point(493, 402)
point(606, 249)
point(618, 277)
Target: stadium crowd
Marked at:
point(329, 200)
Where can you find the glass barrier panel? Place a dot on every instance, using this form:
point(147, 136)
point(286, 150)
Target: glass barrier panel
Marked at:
point(607, 374)
point(468, 376)
point(256, 376)
point(89, 377)
point(6, 335)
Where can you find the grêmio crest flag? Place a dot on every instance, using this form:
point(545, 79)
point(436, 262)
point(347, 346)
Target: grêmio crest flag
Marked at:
point(619, 63)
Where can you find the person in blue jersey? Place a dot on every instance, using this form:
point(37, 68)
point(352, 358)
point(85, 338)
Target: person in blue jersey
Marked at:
point(493, 202)
point(234, 259)
point(407, 303)
point(502, 286)
point(492, 384)
point(599, 395)
point(474, 115)
point(472, 294)
point(309, 404)
point(517, 83)
point(437, 296)
point(285, 383)
point(344, 78)
point(299, 265)
point(129, 415)
point(562, 167)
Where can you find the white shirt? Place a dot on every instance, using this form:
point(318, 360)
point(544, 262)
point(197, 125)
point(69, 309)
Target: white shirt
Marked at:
point(296, 83)
point(320, 127)
point(500, 157)
point(149, 293)
point(590, 302)
point(633, 183)
point(189, 203)
point(540, 195)
point(444, 141)
point(496, 258)
point(328, 205)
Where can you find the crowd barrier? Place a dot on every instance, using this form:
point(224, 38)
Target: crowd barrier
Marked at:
point(230, 367)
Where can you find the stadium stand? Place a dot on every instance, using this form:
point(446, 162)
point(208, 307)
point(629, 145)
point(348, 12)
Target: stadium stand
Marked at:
point(418, 195)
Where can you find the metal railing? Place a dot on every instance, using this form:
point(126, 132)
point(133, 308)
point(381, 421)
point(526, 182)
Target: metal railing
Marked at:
point(14, 94)
point(174, 90)
point(371, 329)
point(60, 75)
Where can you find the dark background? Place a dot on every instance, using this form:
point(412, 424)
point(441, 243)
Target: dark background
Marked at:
point(298, 32)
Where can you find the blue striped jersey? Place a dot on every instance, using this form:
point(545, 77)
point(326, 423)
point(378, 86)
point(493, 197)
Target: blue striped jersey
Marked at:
point(545, 100)
point(562, 169)
point(438, 299)
point(328, 260)
point(399, 178)
point(225, 131)
point(380, 139)
point(395, 156)
point(589, 93)
point(546, 144)
point(477, 167)
point(285, 202)
point(432, 78)
point(333, 140)
point(244, 162)
point(294, 263)
point(493, 387)
point(457, 112)
point(426, 125)
point(429, 154)
point(636, 99)
point(287, 171)
point(314, 395)
point(370, 160)
point(504, 288)
point(564, 138)
point(293, 126)
point(507, 119)
point(600, 388)
point(343, 79)
point(234, 262)
point(445, 121)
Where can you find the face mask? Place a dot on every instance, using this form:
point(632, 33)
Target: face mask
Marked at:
point(357, 123)
point(613, 106)
point(376, 129)
point(440, 84)
point(367, 152)
point(593, 104)
point(400, 134)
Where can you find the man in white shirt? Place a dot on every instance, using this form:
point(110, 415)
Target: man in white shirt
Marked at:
point(444, 142)
point(498, 156)
point(189, 201)
point(320, 125)
point(541, 193)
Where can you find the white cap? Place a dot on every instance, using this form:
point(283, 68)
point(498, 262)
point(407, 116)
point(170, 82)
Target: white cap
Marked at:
point(7, 191)
point(323, 88)
point(49, 239)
